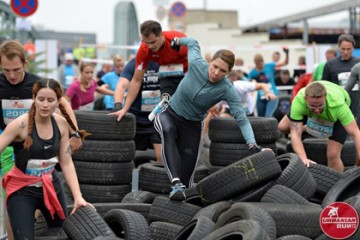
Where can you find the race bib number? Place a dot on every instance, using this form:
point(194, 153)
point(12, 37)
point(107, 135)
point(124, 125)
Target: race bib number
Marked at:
point(39, 167)
point(15, 108)
point(343, 77)
point(319, 128)
point(149, 99)
point(87, 107)
point(69, 80)
point(172, 70)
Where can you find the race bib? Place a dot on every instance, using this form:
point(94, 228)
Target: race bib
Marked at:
point(343, 77)
point(87, 107)
point(171, 70)
point(319, 128)
point(39, 167)
point(14, 108)
point(149, 99)
point(69, 80)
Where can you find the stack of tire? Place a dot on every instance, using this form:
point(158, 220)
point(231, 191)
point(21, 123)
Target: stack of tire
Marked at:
point(316, 150)
point(228, 145)
point(104, 163)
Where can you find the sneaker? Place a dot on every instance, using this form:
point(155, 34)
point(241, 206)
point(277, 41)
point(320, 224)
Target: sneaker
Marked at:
point(178, 192)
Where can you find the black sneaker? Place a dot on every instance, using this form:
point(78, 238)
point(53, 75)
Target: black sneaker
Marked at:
point(178, 192)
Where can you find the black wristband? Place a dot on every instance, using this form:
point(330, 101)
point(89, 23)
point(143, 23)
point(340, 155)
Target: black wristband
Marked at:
point(117, 106)
point(174, 45)
point(255, 149)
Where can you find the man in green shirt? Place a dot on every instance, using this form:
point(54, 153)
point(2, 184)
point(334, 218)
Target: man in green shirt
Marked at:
point(326, 106)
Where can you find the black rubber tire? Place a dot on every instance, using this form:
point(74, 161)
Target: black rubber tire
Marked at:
point(346, 187)
point(165, 210)
point(244, 229)
point(196, 229)
point(245, 211)
point(325, 178)
point(106, 127)
point(226, 130)
point(104, 193)
point(223, 154)
point(86, 224)
point(239, 177)
point(213, 211)
point(142, 208)
point(164, 230)
point(139, 197)
point(295, 175)
point(150, 171)
point(254, 194)
point(282, 194)
point(293, 237)
point(104, 173)
point(294, 218)
point(128, 224)
point(105, 151)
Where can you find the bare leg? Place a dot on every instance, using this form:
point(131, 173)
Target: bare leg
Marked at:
point(333, 155)
point(157, 149)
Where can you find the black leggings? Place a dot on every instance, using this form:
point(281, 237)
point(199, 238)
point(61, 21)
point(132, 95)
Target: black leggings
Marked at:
point(180, 140)
point(21, 208)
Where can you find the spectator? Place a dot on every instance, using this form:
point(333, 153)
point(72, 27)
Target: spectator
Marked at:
point(67, 71)
point(284, 79)
point(105, 68)
point(300, 69)
point(329, 54)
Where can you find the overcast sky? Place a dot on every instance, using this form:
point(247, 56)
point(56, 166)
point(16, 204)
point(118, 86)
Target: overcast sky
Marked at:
point(95, 16)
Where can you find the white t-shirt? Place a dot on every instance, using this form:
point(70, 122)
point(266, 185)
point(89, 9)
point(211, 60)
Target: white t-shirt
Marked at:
point(243, 88)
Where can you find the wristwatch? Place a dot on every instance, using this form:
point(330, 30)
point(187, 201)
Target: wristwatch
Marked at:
point(75, 134)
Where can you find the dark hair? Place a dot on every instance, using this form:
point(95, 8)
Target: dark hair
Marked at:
point(285, 72)
point(55, 86)
point(11, 49)
point(83, 65)
point(225, 55)
point(347, 38)
point(150, 26)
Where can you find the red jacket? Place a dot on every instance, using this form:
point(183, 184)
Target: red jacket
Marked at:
point(16, 179)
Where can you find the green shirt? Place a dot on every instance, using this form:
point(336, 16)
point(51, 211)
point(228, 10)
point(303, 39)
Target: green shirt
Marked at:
point(336, 106)
point(317, 75)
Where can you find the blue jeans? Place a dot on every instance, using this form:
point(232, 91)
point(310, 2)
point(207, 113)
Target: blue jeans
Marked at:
point(266, 108)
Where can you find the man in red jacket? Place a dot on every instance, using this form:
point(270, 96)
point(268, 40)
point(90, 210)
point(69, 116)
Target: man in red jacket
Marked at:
point(156, 47)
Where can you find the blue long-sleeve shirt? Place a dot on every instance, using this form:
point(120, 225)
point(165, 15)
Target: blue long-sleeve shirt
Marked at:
point(196, 94)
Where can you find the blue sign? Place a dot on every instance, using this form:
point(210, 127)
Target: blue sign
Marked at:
point(178, 9)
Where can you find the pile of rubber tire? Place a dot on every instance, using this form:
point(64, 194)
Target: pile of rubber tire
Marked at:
point(228, 144)
point(258, 197)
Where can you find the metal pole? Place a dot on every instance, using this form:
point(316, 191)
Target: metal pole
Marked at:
point(306, 32)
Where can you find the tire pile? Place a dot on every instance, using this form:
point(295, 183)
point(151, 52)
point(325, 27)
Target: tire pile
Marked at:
point(261, 196)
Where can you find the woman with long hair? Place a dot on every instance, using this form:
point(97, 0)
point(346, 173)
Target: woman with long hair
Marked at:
point(41, 140)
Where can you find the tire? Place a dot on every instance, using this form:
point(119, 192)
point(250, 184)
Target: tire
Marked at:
point(316, 150)
point(86, 224)
point(213, 211)
point(294, 218)
point(244, 229)
point(128, 224)
point(150, 171)
point(196, 229)
point(243, 211)
point(294, 237)
point(164, 230)
point(139, 197)
point(166, 210)
point(142, 208)
point(106, 151)
point(254, 194)
point(281, 194)
point(226, 130)
point(223, 154)
point(104, 173)
point(295, 175)
point(106, 127)
point(325, 178)
point(238, 177)
point(104, 193)
point(346, 187)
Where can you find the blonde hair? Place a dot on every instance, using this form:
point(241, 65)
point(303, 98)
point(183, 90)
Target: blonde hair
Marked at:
point(315, 90)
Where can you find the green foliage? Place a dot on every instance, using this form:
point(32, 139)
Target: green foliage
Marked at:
point(34, 65)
